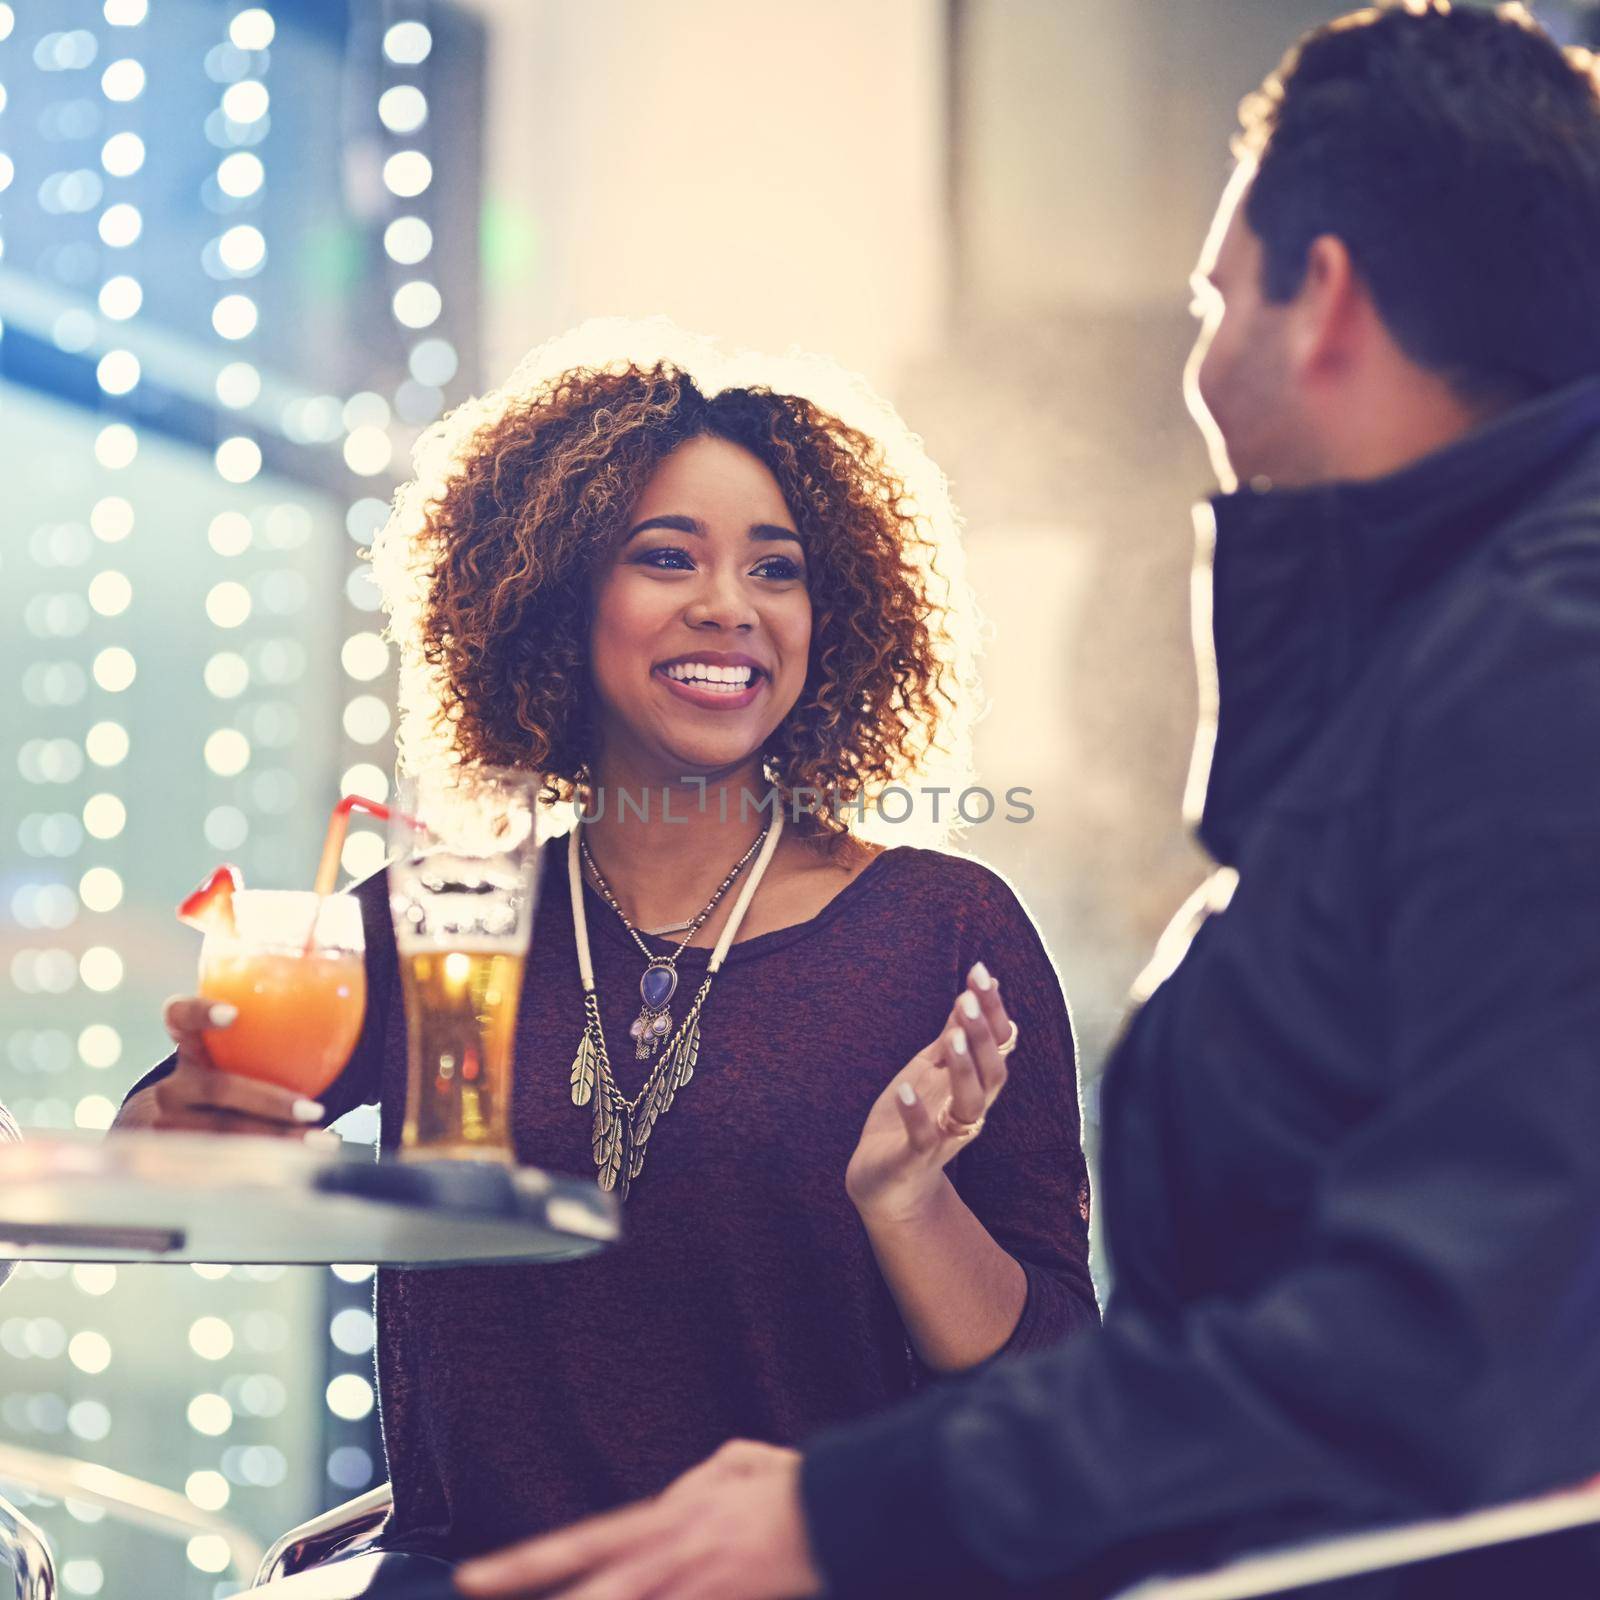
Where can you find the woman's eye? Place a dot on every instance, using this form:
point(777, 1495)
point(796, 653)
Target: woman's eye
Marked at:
point(667, 557)
point(780, 567)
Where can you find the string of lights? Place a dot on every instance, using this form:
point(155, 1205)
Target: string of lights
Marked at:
point(215, 354)
point(373, 421)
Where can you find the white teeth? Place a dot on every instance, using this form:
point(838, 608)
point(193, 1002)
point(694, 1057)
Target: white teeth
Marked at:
point(725, 680)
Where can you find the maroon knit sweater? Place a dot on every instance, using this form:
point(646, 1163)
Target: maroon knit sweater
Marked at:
point(744, 1301)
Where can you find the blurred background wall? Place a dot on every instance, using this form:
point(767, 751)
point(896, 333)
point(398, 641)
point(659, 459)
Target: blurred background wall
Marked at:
point(246, 252)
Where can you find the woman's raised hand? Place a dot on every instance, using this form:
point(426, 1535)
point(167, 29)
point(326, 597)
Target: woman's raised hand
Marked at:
point(196, 1096)
point(933, 1106)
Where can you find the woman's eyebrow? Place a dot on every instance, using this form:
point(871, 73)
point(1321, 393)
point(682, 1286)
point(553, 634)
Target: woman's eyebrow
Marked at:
point(679, 524)
point(675, 524)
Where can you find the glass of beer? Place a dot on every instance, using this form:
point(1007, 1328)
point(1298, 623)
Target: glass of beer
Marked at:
point(291, 962)
point(462, 885)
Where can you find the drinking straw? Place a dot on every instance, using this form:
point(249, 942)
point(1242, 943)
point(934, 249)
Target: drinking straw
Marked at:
point(333, 845)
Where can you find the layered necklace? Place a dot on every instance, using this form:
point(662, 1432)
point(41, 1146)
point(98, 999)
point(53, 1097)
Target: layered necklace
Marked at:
point(622, 1127)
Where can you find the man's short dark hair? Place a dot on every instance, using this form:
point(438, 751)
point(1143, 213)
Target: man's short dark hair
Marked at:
point(1456, 152)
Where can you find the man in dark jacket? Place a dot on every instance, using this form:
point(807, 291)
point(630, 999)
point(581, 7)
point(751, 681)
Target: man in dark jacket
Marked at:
point(1352, 1132)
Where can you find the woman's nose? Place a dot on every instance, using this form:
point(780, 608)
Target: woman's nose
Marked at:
point(722, 603)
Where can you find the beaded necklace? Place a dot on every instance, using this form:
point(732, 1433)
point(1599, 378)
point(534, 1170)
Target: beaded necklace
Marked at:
point(622, 1127)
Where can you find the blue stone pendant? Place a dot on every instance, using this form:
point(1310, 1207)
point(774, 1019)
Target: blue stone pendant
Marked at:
point(658, 985)
point(654, 1022)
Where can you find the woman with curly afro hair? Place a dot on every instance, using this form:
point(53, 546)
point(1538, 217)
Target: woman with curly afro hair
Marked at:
point(720, 621)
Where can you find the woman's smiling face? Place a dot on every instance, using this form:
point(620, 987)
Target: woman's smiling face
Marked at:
point(701, 628)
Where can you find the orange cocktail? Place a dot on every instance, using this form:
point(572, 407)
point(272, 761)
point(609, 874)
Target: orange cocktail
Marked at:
point(292, 965)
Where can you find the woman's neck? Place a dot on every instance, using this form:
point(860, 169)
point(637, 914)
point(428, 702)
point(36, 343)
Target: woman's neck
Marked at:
point(663, 847)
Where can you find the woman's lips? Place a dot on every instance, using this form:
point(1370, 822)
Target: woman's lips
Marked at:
point(712, 699)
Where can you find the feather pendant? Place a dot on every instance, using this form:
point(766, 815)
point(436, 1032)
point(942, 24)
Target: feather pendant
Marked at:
point(659, 1101)
point(584, 1068)
point(649, 1109)
point(607, 1141)
point(687, 1054)
point(675, 1069)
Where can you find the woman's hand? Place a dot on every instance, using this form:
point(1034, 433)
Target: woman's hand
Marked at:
point(897, 1169)
point(195, 1095)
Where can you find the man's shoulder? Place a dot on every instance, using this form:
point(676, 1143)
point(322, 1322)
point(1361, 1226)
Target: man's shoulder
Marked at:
point(1499, 685)
point(1530, 600)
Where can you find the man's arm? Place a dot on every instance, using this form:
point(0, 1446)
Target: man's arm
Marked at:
point(1435, 1347)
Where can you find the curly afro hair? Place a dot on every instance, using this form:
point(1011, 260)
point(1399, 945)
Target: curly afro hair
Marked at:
point(488, 570)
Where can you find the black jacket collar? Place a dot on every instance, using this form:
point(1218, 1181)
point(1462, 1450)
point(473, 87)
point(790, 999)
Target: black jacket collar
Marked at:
point(1294, 586)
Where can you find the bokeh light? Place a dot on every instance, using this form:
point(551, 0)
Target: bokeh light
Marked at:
point(365, 656)
point(407, 44)
point(246, 101)
point(106, 744)
point(368, 451)
point(417, 304)
point(252, 29)
point(210, 1414)
point(403, 108)
point(121, 297)
point(240, 174)
point(408, 240)
point(122, 154)
point(114, 669)
point(407, 173)
point(238, 459)
point(122, 80)
point(238, 385)
point(242, 248)
point(227, 752)
point(228, 604)
point(100, 889)
point(120, 225)
point(234, 316)
point(211, 1338)
point(227, 675)
point(350, 1396)
point(116, 446)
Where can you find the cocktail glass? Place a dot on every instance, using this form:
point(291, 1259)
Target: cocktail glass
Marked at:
point(292, 964)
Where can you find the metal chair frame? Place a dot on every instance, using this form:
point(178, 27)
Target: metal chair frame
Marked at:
point(126, 1498)
point(345, 1530)
point(27, 1552)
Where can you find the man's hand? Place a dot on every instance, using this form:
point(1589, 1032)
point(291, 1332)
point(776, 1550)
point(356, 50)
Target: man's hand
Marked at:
point(730, 1529)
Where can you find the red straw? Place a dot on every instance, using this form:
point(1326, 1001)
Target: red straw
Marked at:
point(333, 846)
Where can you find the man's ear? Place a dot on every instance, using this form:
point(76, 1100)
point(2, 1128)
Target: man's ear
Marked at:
point(1329, 311)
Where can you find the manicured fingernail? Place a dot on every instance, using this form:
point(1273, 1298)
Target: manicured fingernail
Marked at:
point(968, 1005)
point(219, 1016)
point(307, 1111)
point(908, 1095)
point(980, 976)
point(958, 1042)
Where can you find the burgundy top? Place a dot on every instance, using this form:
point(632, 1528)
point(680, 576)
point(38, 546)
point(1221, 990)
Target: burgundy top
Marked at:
point(744, 1300)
